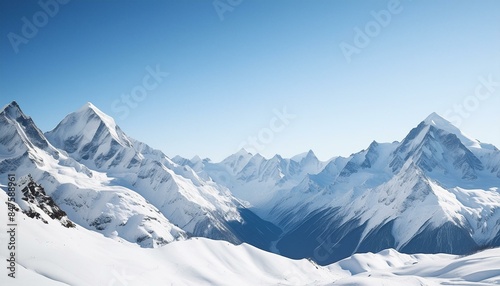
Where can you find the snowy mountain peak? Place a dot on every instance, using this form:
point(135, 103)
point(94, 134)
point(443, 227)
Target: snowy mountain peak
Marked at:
point(13, 111)
point(437, 145)
point(196, 159)
point(91, 110)
point(11, 106)
point(89, 133)
point(304, 156)
point(311, 153)
point(440, 123)
point(436, 120)
point(276, 157)
point(374, 144)
point(89, 105)
point(237, 161)
point(243, 152)
point(20, 129)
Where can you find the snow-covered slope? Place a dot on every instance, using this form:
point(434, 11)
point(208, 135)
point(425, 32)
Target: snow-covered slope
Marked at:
point(438, 190)
point(198, 206)
point(50, 254)
point(389, 268)
point(88, 197)
point(433, 192)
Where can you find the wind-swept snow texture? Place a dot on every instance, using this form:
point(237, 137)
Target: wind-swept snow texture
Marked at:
point(51, 254)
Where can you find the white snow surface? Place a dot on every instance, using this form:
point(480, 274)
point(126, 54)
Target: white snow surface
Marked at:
point(55, 255)
point(390, 267)
point(49, 254)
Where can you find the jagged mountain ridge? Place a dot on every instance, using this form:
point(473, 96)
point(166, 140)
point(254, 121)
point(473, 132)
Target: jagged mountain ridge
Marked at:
point(91, 137)
point(435, 191)
point(84, 195)
point(194, 207)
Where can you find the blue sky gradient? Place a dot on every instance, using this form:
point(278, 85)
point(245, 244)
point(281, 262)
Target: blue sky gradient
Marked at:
point(227, 76)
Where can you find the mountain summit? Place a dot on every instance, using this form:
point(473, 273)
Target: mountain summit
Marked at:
point(415, 195)
point(437, 146)
point(17, 128)
point(85, 195)
point(437, 190)
point(440, 123)
point(90, 135)
point(198, 206)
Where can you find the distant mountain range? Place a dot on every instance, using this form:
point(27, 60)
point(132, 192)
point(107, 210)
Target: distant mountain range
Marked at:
point(437, 190)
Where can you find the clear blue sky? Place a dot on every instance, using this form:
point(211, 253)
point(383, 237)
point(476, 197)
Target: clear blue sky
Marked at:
point(227, 74)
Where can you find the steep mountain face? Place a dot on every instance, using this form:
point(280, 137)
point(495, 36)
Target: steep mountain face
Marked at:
point(86, 196)
point(431, 194)
point(198, 206)
point(35, 203)
point(437, 151)
point(436, 191)
point(92, 137)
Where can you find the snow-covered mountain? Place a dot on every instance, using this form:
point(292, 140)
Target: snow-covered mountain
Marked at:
point(50, 254)
point(87, 197)
point(257, 181)
point(198, 206)
point(390, 268)
point(437, 190)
